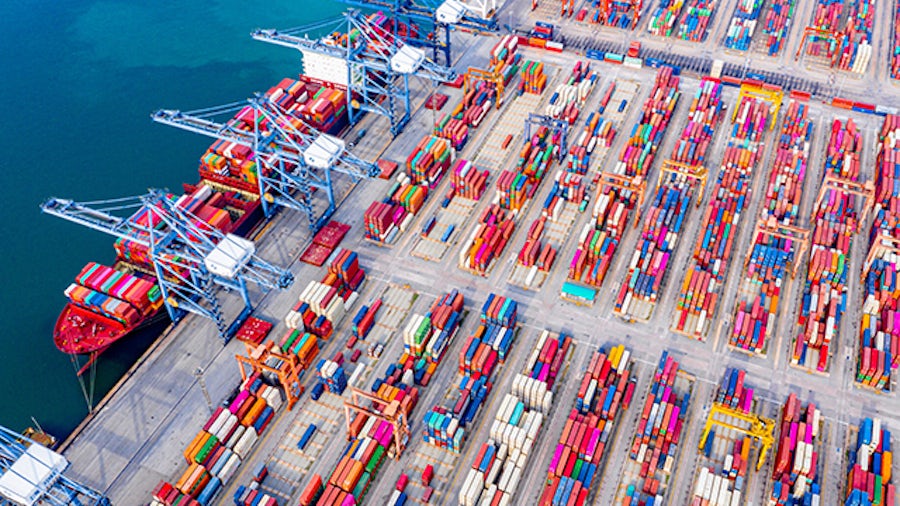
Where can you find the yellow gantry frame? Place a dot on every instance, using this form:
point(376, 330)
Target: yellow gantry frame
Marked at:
point(773, 96)
point(762, 429)
point(697, 172)
point(476, 74)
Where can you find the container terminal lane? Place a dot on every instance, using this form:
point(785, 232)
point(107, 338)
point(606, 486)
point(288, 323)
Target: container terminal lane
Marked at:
point(717, 140)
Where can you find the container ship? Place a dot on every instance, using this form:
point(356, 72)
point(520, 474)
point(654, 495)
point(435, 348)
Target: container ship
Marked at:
point(107, 303)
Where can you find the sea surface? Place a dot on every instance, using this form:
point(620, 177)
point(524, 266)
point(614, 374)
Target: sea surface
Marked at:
point(78, 81)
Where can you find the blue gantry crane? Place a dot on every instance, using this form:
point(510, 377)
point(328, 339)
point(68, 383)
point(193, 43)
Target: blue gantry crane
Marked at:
point(293, 158)
point(33, 474)
point(189, 256)
point(555, 125)
point(434, 19)
point(373, 64)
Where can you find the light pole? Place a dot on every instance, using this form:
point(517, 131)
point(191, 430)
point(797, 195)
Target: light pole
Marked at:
point(198, 373)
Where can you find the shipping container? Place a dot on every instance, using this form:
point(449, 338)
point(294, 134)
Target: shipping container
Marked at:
point(578, 459)
point(669, 208)
point(654, 448)
point(499, 464)
point(796, 471)
point(870, 466)
point(488, 346)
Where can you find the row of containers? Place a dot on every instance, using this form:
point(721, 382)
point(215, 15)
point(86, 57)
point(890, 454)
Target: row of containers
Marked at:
point(481, 354)
point(879, 339)
point(693, 25)
point(514, 189)
point(482, 96)
point(653, 452)
point(707, 269)
point(604, 395)
point(726, 448)
point(771, 256)
point(598, 133)
point(598, 241)
point(836, 222)
point(670, 206)
point(225, 441)
point(500, 462)
point(322, 305)
point(851, 49)
point(569, 96)
point(749, 18)
point(623, 14)
point(373, 439)
point(538, 252)
point(895, 54)
point(856, 45)
point(387, 218)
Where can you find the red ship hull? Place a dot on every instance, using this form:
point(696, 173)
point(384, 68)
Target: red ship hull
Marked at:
point(79, 331)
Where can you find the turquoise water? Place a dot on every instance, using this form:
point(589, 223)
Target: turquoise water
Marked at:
point(78, 80)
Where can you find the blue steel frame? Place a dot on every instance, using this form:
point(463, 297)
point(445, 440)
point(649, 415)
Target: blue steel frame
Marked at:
point(182, 245)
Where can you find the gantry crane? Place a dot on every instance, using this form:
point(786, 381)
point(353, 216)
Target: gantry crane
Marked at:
point(773, 95)
point(696, 172)
point(760, 428)
point(293, 158)
point(474, 75)
point(865, 190)
point(378, 65)
point(769, 226)
point(390, 412)
point(834, 36)
point(435, 19)
point(635, 184)
point(555, 125)
point(882, 244)
point(189, 256)
point(33, 474)
point(260, 358)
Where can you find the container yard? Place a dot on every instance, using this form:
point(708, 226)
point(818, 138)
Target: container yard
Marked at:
point(797, 472)
point(870, 465)
point(879, 342)
point(452, 337)
point(650, 469)
point(600, 238)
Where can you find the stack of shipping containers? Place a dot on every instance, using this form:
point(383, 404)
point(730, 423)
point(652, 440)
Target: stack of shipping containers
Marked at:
point(667, 215)
point(770, 257)
point(879, 340)
point(835, 222)
point(705, 277)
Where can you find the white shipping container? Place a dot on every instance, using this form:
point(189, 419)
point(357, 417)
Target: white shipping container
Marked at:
point(230, 467)
point(238, 432)
point(245, 444)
